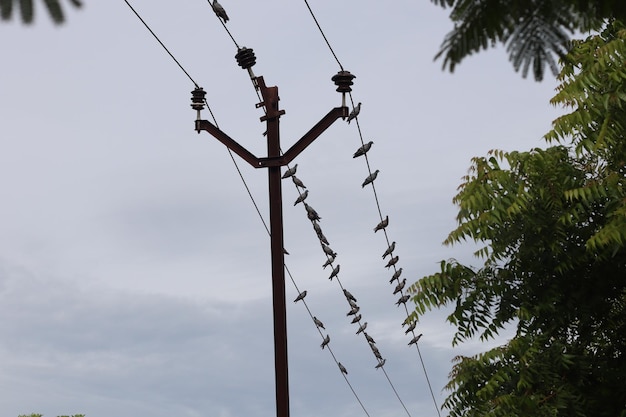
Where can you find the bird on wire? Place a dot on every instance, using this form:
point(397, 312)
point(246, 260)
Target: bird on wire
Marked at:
point(353, 311)
point(389, 250)
point(363, 149)
point(403, 299)
point(348, 295)
point(380, 364)
point(411, 327)
point(329, 261)
point(415, 339)
point(362, 328)
point(318, 322)
point(325, 342)
point(334, 273)
point(354, 113)
point(290, 172)
point(219, 11)
point(370, 178)
point(297, 181)
point(328, 251)
point(356, 319)
point(396, 275)
point(342, 368)
point(300, 296)
point(400, 286)
point(382, 225)
point(301, 197)
point(392, 262)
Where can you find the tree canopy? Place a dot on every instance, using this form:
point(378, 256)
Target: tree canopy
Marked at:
point(552, 225)
point(27, 9)
point(536, 33)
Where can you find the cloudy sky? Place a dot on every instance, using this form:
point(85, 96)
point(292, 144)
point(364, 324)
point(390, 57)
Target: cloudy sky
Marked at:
point(134, 270)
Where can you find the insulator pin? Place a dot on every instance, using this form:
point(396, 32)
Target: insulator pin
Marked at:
point(343, 81)
point(197, 98)
point(245, 58)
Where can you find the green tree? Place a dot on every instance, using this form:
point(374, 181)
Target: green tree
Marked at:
point(27, 9)
point(552, 228)
point(535, 32)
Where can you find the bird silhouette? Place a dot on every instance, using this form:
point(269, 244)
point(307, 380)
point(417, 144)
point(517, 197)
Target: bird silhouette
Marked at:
point(348, 295)
point(342, 368)
point(392, 261)
point(300, 296)
point(389, 250)
point(363, 149)
point(396, 275)
point(380, 364)
point(353, 311)
point(370, 178)
point(290, 172)
point(410, 328)
point(362, 327)
point(356, 319)
point(400, 286)
point(325, 342)
point(318, 322)
point(415, 339)
point(382, 225)
point(403, 299)
point(297, 181)
point(219, 11)
point(329, 261)
point(334, 273)
point(302, 197)
point(354, 113)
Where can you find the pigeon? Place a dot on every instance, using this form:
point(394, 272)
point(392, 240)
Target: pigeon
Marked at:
point(356, 318)
point(334, 273)
point(374, 349)
point(380, 364)
point(342, 368)
point(415, 339)
point(348, 295)
point(361, 328)
point(290, 172)
point(353, 311)
point(219, 11)
point(328, 251)
point(325, 342)
point(302, 197)
point(363, 149)
point(328, 262)
point(300, 296)
point(352, 303)
point(311, 213)
point(323, 239)
point(370, 178)
point(354, 113)
point(403, 299)
point(318, 323)
point(389, 250)
point(382, 225)
point(369, 338)
point(297, 181)
point(396, 275)
point(400, 286)
point(377, 354)
point(392, 262)
point(411, 327)
point(317, 228)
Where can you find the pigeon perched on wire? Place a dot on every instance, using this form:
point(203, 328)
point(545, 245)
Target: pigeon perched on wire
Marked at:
point(334, 273)
point(342, 368)
point(352, 303)
point(317, 228)
point(375, 349)
point(377, 354)
point(369, 338)
point(415, 339)
point(362, 328)
point(325, 342)
point(382, 225)
point(297, 181)
point(389, 250)
point(329, 261)
point(311, 213)
point(348, 295)
point(290, 172)
point(302, 197)
point(353, 311)
point(411, 327)
point(354, 113)
point(370, 178)
point(328, 251)
point(318, 322)
point(400, 286)
point(219, 11)
point(323, 239)
point(392, 262)
point(396, 275)
point(363, 149)
point(356, 319)
point(403, 299)
point(300, 296)
point(380, 364)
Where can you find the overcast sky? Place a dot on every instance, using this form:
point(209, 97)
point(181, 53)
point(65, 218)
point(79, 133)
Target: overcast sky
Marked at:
point(134, 270)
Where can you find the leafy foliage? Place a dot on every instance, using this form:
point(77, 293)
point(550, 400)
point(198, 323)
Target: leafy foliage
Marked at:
point(535, 32)
point(27, 11)
point(552, 223)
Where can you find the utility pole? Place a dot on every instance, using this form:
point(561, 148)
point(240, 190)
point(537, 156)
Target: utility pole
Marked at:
point(273, 162)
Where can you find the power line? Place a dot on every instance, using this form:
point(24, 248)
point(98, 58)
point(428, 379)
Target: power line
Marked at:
point(323, 35)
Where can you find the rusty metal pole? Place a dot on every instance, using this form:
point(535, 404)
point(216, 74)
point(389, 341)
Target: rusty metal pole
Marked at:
point(270, 96)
